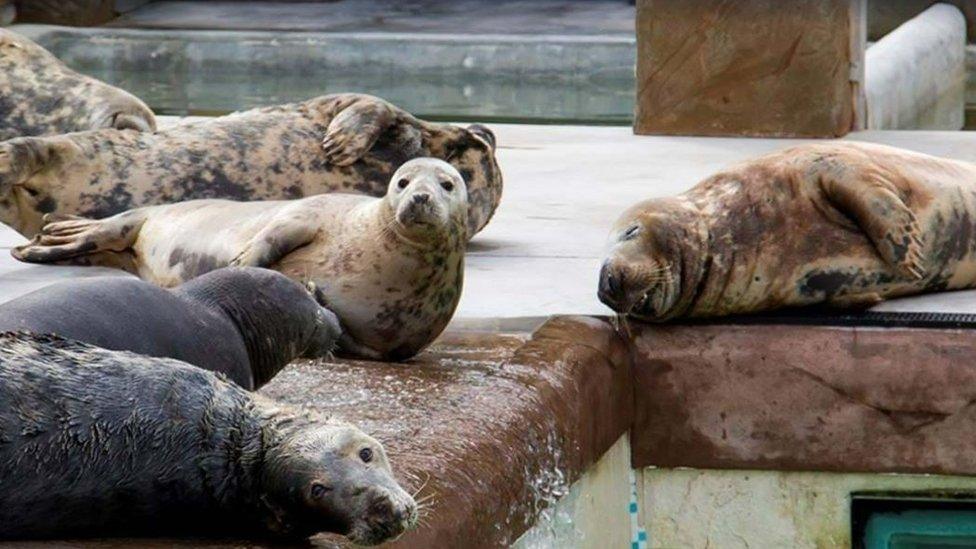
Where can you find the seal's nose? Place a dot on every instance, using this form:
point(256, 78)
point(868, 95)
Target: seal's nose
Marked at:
point(611, 290)
point(421, 198)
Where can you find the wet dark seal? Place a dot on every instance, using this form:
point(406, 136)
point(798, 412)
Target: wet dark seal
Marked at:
point(39, 95)
point(335, 143)
point(113, 443)
point(243, 322)
point(390, 268)
point(845, 224)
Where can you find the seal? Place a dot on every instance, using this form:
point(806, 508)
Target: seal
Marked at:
point(335, 143)
point(113, 443)
point(843, 224)
point(391, 269)
point(243, 322)
point(39, 95)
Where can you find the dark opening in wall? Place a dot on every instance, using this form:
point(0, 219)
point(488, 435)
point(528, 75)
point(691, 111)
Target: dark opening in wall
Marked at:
point(941, 520)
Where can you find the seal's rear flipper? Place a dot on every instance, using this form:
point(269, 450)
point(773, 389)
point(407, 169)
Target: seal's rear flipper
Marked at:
point(79, 241)
point(355, 129)
point(884, 217)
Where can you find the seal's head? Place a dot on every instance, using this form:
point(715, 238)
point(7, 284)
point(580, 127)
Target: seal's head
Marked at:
point(471, 151)
point(655, 260)
point(428, 199)
point(278, 318)
point(334, 478)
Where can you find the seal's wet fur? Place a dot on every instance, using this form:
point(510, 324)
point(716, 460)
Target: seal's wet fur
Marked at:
point(243, 322)
point(39, 95)
point(96, 442)
point(845, 224)
point(335, 143)
point(391, 268)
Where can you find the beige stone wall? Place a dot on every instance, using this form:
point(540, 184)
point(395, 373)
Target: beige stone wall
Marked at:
point(593, 514)
point(696, 508)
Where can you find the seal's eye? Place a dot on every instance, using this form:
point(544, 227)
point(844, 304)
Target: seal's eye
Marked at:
point(631, 232)
point(366, 454)
point(319, 490)
point(447, 186)
point(402, 184)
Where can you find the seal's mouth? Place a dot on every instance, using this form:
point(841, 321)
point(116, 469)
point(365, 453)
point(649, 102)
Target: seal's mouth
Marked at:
point(652, 302)
point(373, 530)
point(420, 216)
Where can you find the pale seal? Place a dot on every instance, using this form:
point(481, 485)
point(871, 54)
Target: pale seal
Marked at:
point(845, 224)
point(245, 323)
point(390, 268)
point(335, 143)
point(99, 442)
point(39, 95)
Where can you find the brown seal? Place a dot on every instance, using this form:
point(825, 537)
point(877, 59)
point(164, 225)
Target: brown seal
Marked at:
point(335, 143)
point(846, 224)
point(39, 95)
point(391, 269)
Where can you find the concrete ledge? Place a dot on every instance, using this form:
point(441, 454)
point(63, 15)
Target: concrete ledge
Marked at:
point(915, 77)
point(805, 398)
point(501, 424)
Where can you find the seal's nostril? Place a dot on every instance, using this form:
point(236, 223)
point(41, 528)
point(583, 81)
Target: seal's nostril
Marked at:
point(421, 198)
point(611, 283)
point(616, 282)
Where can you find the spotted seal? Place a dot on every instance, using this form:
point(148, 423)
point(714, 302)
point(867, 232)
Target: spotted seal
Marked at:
point(391, 268)
point(244, 322)
point(113, 443)
point(39, 95)
point(335, 143)
point(845, 224)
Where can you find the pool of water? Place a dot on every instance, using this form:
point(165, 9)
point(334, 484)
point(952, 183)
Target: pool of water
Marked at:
point(437, 97)
point(484, 77)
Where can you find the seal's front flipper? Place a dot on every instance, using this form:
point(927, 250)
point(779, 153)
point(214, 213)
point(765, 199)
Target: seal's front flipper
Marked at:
point(355, 129)
point(884, 217)
point(76, 240)
point(276, 240)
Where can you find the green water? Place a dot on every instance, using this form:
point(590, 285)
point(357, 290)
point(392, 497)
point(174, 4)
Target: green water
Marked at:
point(437, 97)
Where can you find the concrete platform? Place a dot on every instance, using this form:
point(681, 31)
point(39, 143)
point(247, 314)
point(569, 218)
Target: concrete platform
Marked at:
point(511, 406)
point(564, 187)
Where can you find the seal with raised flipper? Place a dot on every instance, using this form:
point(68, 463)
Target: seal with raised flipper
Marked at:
point(243, 322)
point(39, 95)
point(390, 268)
point(111, 443)
point(335, 143)
point(844, 224)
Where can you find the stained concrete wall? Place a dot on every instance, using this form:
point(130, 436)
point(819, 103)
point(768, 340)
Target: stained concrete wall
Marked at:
point(695, 508)
point(915, 77)
point(593, 514)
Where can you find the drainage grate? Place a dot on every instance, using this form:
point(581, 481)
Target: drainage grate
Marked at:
point(819, 317)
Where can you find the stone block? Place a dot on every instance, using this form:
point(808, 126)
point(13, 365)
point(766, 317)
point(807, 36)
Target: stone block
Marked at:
point(805, 398)
point(749, 67)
